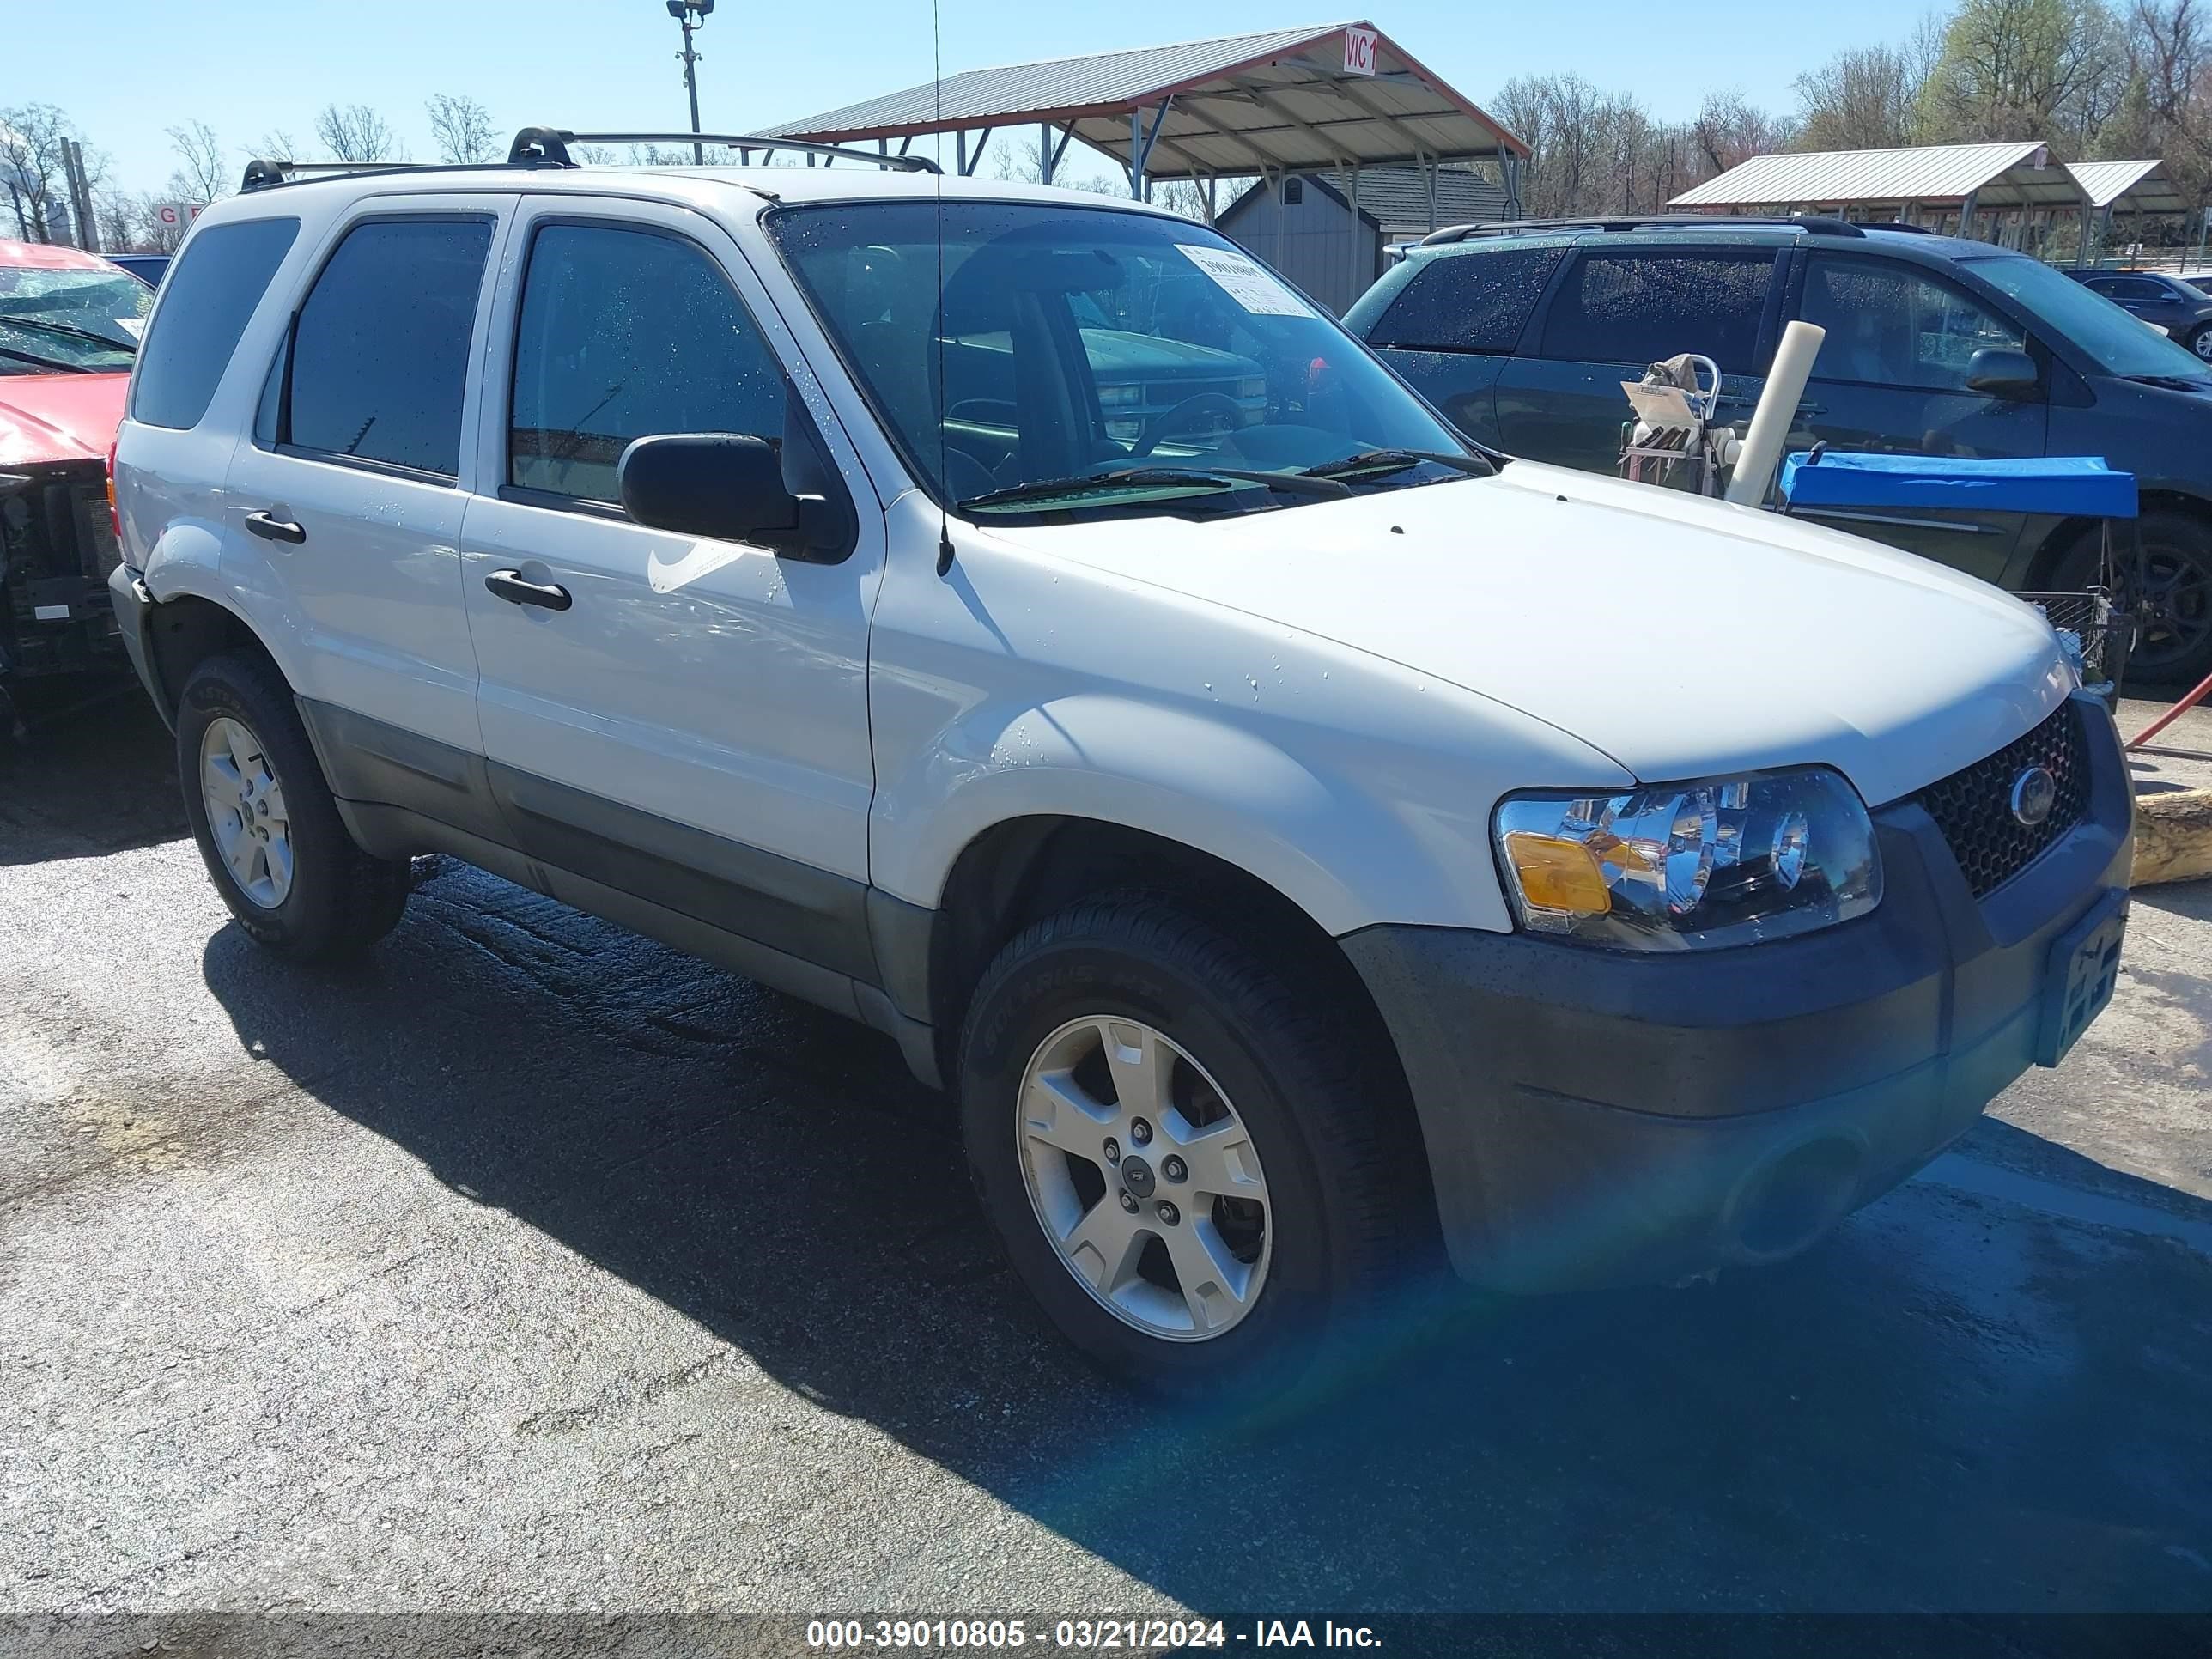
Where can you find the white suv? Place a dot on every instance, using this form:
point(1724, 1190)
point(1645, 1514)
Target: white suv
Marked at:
point(1310, 847)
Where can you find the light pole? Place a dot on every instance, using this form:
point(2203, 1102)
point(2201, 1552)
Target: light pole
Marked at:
point(692, 14)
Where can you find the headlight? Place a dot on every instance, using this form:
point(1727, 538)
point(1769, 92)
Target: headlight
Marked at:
point(1685, 865)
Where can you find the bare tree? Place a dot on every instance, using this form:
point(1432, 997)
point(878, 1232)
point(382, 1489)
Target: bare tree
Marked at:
point(461, 128)
point(1729, 131)
point(355, 132)
point(278, 145)
point(33, 140)
point(202, 174)
point(1867, 98)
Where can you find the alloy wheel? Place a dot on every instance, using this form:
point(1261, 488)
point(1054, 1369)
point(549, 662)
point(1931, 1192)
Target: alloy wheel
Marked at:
point(245, 812)
point(2169, 590)
point(1145, 1178)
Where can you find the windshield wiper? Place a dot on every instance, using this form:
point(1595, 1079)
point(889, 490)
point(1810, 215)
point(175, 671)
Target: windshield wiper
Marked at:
point(1144, 478)
point(1397, 460)
point(69, 330)
point(32, 357)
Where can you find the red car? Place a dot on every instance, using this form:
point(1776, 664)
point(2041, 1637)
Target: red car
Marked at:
point(69, 330)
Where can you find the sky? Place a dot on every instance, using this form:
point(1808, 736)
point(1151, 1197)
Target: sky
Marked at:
point(128, 70)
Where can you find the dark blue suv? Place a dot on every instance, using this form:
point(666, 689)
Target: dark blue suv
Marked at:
point(1521, 335)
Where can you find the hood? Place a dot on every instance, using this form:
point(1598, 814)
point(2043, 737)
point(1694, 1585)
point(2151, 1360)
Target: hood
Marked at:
point(1682, 637)
point(59, 417)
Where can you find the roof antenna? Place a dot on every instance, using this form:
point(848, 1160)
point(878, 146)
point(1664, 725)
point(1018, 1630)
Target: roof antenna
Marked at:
point(937, 321)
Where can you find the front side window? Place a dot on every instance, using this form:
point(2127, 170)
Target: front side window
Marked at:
point(623, 334)
point(1078, 359)
point(206, 302)
point(380, 352)
point(1646, 305)
point(1893, 324)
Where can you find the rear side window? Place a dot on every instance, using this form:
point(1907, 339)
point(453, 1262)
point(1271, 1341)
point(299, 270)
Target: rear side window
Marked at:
point(1646, 305)
point(206, 302)
point(1467, 301)
point(623, 334)
point(380, 352)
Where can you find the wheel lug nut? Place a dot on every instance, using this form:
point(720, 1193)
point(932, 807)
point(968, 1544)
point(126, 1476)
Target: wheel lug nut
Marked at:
point(1173, 1168)
point(1113, 1150)
point(1167, 1212)
point(1129, 1202)
point(1140, 1132)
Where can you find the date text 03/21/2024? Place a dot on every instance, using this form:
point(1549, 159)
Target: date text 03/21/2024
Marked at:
point(1139, 1635)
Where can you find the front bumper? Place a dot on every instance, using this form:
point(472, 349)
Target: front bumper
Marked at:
point(1595, 1117)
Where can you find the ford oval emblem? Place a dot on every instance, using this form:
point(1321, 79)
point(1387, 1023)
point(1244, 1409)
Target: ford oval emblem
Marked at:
point(2034, 793)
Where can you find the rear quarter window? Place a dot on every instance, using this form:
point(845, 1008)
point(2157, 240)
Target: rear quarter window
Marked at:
point(207, 300)
point(1644, 306)
point(1467, 301)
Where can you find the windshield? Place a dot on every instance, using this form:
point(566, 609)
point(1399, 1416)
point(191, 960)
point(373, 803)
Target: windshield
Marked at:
point(1088, 360)
point(70, 319)
point(2120, 342)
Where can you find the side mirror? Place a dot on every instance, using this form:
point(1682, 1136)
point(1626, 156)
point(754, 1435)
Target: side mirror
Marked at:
point(2002, 373)
point(727, 486)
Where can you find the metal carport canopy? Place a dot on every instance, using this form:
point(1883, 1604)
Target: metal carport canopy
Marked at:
point(1339, 95)
point(2139, 186)
point(2018, 173)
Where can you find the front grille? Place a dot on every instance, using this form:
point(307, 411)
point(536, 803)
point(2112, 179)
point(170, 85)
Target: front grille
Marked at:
point(1973, 807)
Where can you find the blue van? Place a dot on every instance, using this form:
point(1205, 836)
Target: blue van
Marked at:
point(1521, 335)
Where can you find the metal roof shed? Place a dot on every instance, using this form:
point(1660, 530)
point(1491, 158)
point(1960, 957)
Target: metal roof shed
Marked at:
point(1339, 96)
point(1946, 179)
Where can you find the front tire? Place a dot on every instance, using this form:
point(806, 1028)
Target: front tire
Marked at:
point(2169, 588)
point(267, 827)
point(1200, 1169)
point(2201, 343)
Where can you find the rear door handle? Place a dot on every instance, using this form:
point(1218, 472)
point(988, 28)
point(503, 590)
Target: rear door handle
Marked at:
point(509, 586)
point(271, 529)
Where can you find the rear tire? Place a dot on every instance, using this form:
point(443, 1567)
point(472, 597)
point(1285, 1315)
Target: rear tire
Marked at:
point(267, 827)
point(2201, 343)
point(2172, 581)
point(1266, 1085)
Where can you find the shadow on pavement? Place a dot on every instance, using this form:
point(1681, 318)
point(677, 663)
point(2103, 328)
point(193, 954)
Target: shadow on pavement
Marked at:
point(1955, 1404)
point(97, 774)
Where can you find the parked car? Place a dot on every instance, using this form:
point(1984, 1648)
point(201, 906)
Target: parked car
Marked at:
point(2182, 309)
point(1309, 846)
point(148, 268)
point(68, 333)
point(1935, 346)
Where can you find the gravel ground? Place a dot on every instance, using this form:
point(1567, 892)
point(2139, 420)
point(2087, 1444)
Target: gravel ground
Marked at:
point(532, 1267)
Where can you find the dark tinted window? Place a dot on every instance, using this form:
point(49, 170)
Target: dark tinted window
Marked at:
point(626, 333)
point(1467, 301)
point(381, 352)
point(1644, 307)
point(1893, 325)
point(1294, 192)
point(208, 299)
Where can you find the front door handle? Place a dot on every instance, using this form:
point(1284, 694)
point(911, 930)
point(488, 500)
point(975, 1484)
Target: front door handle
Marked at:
point(509, 586)
point(272, 529)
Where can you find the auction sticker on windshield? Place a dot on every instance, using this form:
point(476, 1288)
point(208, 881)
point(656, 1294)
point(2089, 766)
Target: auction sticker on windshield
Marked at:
point(1244, 282)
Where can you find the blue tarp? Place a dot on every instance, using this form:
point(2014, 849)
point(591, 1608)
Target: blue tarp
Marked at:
point(2069, 485)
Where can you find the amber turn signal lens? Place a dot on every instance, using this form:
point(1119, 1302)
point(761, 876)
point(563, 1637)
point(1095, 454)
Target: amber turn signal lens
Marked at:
point(1558, 874)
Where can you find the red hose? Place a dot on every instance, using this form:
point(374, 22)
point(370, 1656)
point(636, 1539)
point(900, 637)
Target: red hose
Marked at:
point(2203, 686)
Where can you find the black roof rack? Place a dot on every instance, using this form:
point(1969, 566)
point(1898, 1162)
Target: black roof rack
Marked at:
point(548, 146)
point(1816, 224)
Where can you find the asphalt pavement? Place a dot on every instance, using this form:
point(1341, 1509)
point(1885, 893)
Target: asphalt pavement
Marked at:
point(532, 1266)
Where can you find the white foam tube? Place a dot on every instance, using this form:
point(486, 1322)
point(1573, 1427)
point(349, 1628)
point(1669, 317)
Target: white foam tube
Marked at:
point(1776, 413)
